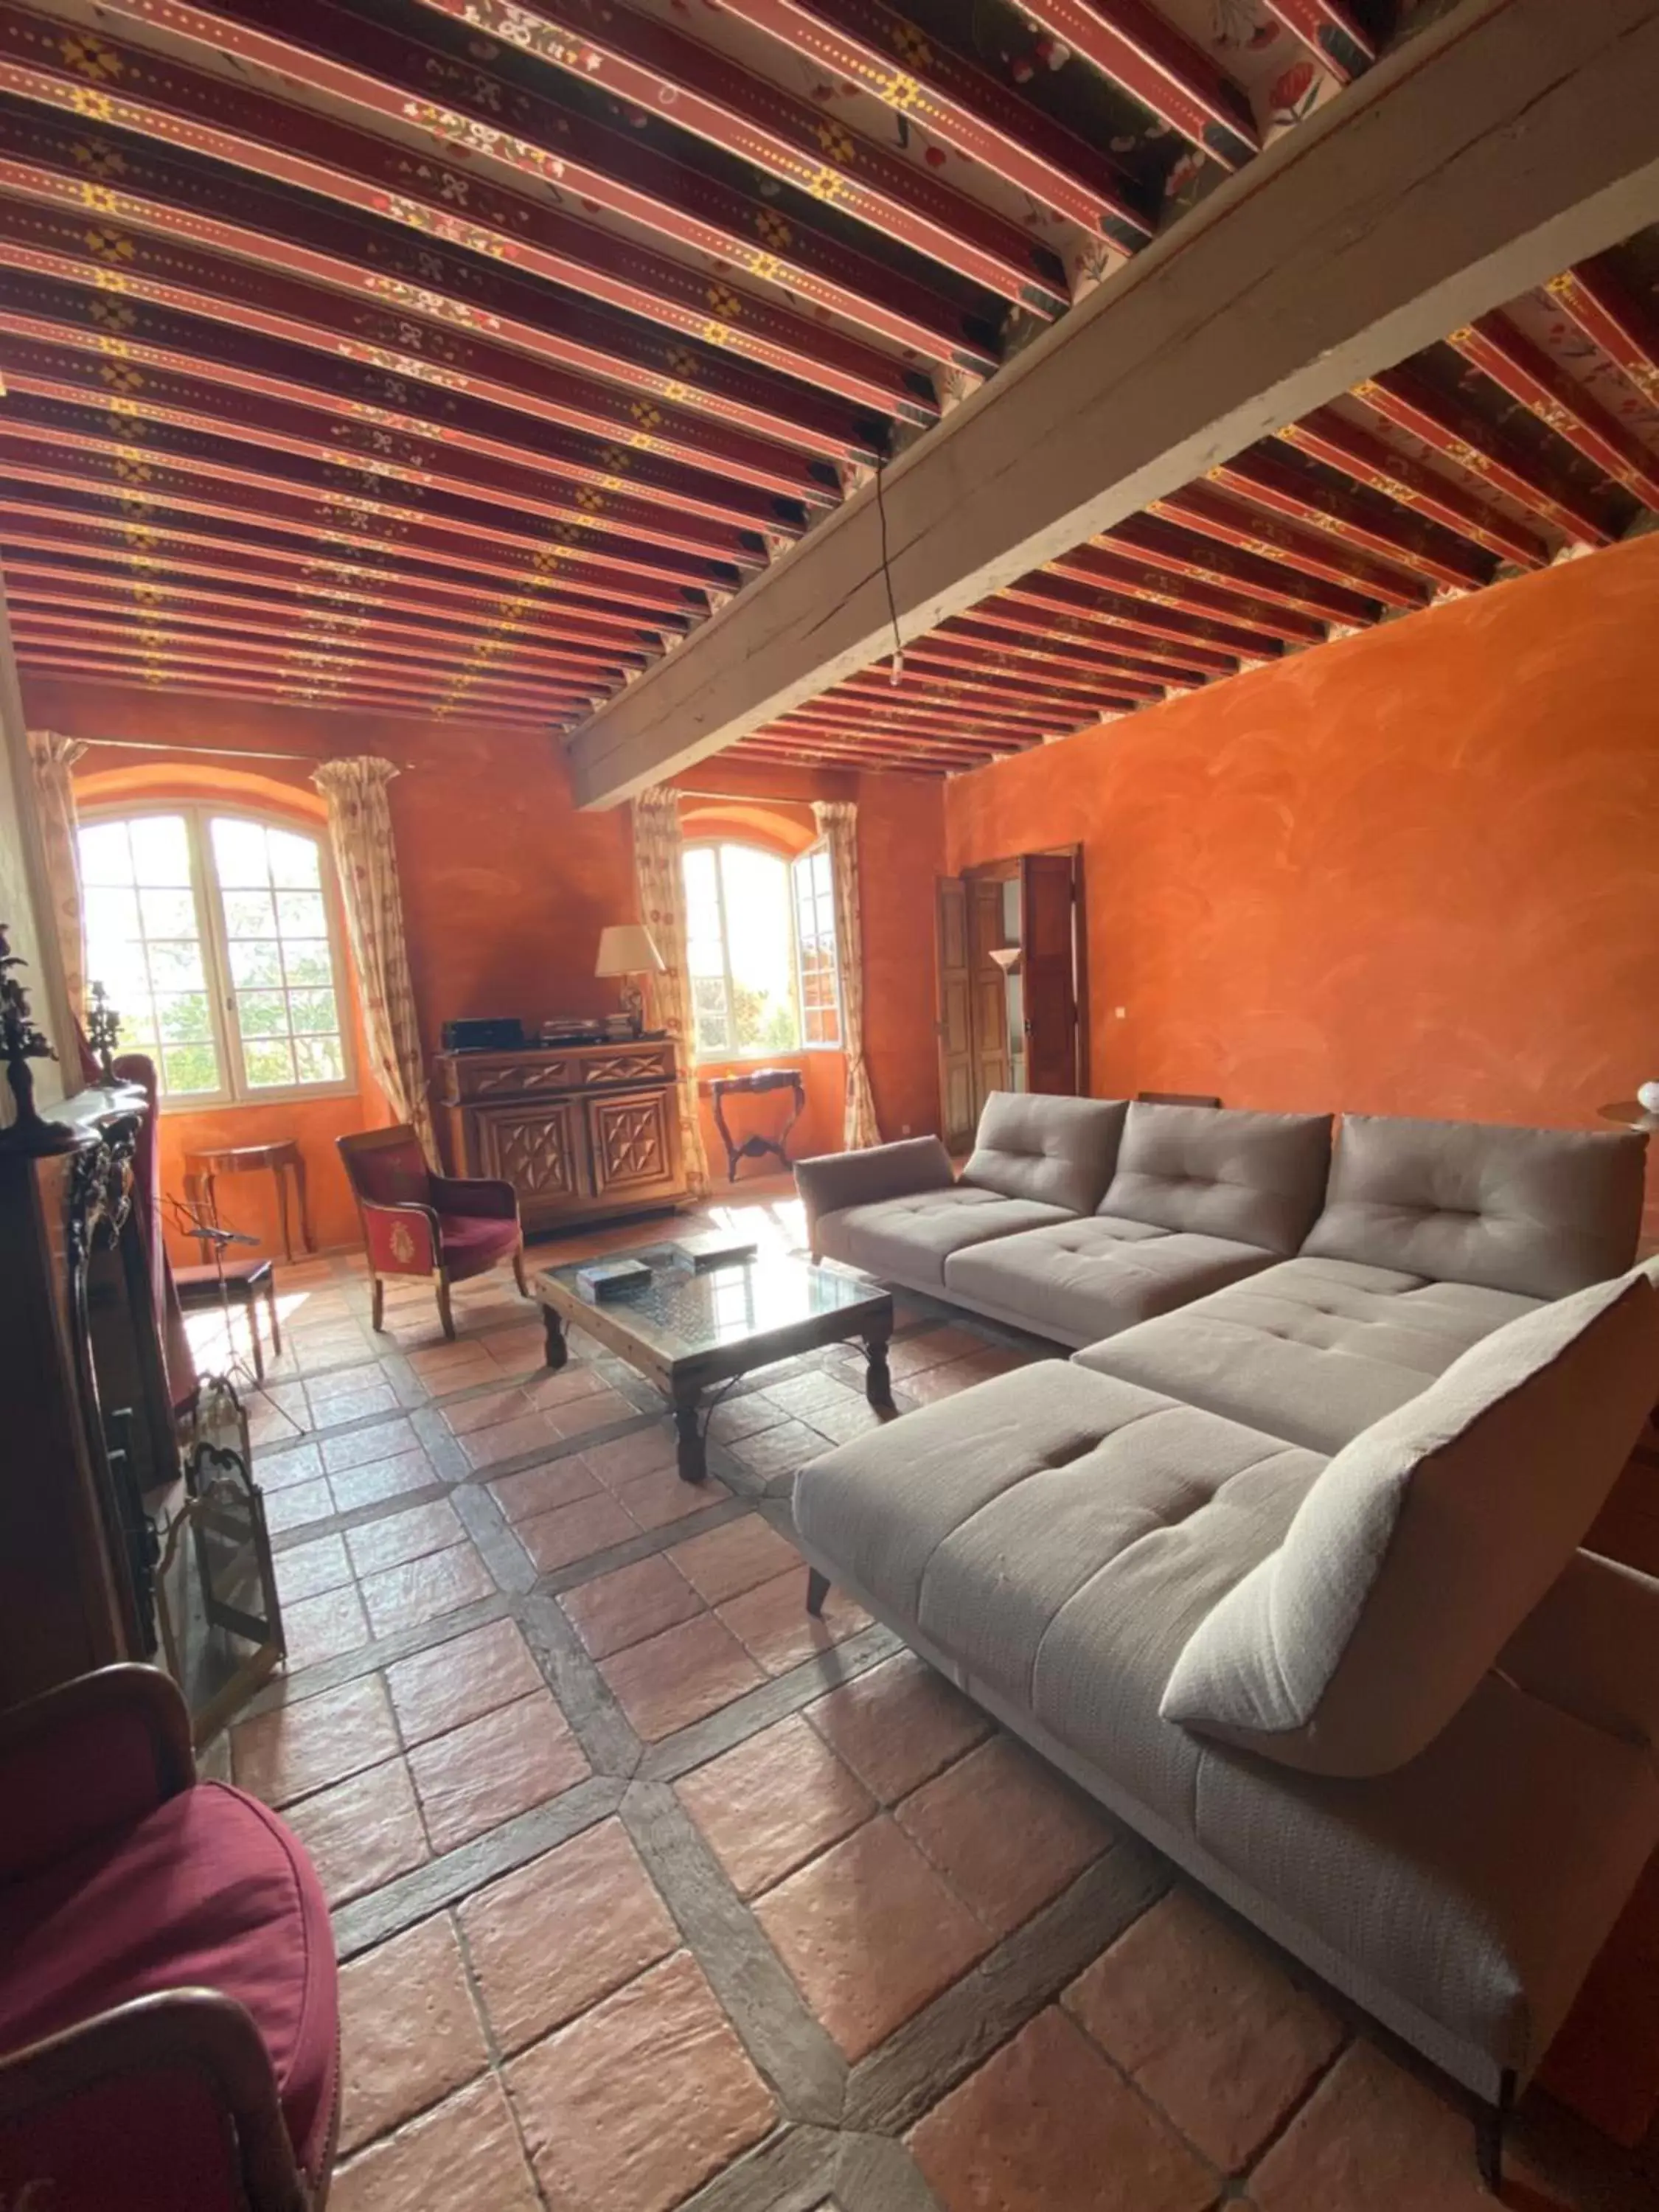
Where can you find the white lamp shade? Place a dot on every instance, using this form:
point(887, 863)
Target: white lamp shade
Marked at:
point(627, 948)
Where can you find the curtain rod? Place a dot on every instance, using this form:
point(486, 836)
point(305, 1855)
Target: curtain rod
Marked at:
point(218, 752)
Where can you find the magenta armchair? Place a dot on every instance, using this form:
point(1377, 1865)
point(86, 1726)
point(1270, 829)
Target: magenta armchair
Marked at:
point(169, 2012)
point(416, 1223)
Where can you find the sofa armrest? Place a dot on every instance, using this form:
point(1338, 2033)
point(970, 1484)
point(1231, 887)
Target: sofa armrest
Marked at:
point(480, 1195)
point(91, 1755)
point(186, 2068)
point(835, 1180)
point(1590, 1646)
point(401, 1240)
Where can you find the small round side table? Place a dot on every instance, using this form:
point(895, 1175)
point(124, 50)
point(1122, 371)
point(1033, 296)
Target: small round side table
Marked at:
point(202, 1169)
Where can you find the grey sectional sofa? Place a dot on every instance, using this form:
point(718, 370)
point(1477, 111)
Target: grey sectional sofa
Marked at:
point(1283, 1565)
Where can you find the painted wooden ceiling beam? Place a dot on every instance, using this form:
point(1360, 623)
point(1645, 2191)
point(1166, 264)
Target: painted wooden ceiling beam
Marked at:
point(63, 604)
point(149, 529)
point(1414, 543)
point(138, 451)
point(1596, 297)
point(58, 301)
point(1571, 409)
point(660, 69)
point(41, 537)
point(265, 301)
point(1052, 594)
point(1332, 30)
point(416, 97)
point(1508, 140)
point(962, 107)
point(34, 565)
point(1340, 444)
point(1028, 668)
point(995, 621)
point(1130, 42)
point(192, 648)
point(1406, 398)
point(277, 426)
point(1186, 553)
point(1203, 507)
point(303, 688)
point(1262, 626)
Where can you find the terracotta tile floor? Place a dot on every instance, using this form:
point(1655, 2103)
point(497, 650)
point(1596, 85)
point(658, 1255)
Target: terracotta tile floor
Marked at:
point(643, 1877)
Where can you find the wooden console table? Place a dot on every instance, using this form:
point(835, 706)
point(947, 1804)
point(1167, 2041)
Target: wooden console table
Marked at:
point(202, 1169)
point(583, 1132)
point(750, 1084)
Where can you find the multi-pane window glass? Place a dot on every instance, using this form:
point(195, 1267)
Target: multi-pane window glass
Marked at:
point(212, 936)
point(760, 951)
point(145, 945)
point(815, 947)
point(282, 969)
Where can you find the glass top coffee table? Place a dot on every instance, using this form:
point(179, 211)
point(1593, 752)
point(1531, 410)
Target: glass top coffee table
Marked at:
point(689, 1328)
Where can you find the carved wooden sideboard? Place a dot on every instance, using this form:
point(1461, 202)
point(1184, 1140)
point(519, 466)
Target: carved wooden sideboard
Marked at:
point(581, 1132)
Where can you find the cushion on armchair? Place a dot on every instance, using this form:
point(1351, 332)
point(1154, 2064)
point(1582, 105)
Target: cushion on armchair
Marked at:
point(474, 1242)
point(390, 1175)
point(207, 1890)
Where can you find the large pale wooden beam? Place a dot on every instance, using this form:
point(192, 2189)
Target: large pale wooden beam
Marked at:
point(1512, 139)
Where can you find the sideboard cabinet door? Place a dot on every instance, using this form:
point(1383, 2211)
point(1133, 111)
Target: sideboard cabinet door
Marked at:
point(633, 1142)
point(540, 1149)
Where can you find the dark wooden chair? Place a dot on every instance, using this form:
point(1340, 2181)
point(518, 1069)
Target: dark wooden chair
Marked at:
point(1175, 1099)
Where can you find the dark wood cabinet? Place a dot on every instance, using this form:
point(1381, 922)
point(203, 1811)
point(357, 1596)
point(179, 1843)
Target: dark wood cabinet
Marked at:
point(581, 1132)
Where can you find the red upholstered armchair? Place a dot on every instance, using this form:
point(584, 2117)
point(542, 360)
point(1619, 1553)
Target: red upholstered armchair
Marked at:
point(416, 1223)
point(169, 2016)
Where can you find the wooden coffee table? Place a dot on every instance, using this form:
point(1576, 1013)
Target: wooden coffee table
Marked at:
point(688, 1330)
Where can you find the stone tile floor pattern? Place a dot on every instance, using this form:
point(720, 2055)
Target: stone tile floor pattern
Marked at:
point(652, 1892)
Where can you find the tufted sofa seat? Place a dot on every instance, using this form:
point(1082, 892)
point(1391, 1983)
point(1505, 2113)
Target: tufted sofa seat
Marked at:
point(1282, 1565)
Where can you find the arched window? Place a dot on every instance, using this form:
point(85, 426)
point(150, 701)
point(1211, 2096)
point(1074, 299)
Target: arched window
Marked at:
point(215, 937)
point(760, 950)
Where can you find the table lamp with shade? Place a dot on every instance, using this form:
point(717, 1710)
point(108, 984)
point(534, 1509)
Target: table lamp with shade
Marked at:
point(628, 949)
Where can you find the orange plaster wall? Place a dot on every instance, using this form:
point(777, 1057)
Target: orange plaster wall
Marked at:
point(1416, 871)
point(506, 888)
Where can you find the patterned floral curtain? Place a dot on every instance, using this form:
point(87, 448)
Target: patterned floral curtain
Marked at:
point(660, 875)
point(838, 818)
point(365, 861)
point(53, 758)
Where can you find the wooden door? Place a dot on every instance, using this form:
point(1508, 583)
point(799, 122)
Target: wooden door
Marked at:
point(957, 1115)
point(989, 989)
point(1049, 967)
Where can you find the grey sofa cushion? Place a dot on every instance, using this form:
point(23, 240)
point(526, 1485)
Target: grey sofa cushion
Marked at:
point(1060, 1151)
point(1542, 1212)
point(1427, 1542)
point(1080, 1280)
point(1059, 1535)
point(1475, 1884)
point(1253, 1178)
point(1313, 1351)
point(908, 1239)
point(835, 1181)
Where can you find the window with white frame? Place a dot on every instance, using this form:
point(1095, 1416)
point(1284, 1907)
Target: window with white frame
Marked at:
point(761, 950)
point(214, 935)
